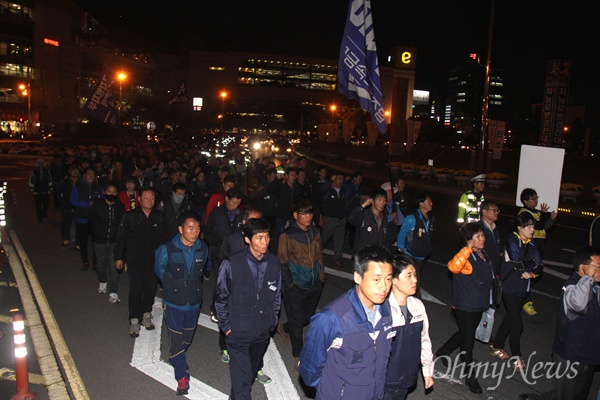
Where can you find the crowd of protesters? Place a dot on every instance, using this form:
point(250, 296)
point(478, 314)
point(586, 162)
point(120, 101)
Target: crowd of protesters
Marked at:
point(105, 192)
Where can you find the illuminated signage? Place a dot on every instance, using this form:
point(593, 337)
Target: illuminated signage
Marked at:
point(51, 42)
point(406, 58)
point(197, 103)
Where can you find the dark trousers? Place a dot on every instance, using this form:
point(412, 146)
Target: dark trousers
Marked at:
point(82, 234)
point(181, 326)
point(107, 273)
point(42, 202)
point(142, 289)
point(572, 388)
point(511, 325)
point(245, 358)
point(66, 220)
point(300, 304)
point(464, 337)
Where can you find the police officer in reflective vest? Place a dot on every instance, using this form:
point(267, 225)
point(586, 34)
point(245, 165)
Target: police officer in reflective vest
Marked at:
point(470, 201)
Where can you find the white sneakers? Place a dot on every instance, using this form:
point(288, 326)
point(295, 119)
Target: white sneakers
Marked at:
point(102, 288)
point(114, 298)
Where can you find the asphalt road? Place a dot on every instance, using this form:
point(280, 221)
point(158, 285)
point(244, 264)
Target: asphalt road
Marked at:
point(113, 366)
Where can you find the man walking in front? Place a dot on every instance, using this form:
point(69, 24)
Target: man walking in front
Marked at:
point(247, 302)
point(347, 348)
point(139, 235)
point(178, 265)
point(104, 219)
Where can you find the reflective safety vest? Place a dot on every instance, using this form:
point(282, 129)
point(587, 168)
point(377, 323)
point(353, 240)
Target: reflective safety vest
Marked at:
point(468, 206)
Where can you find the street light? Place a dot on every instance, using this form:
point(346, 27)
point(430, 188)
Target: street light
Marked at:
point(223, 96)
point(26, 91)
point(333, 108)
point(121, 76)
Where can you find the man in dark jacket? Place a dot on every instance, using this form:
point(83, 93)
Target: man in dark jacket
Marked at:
point(348, 344)
point(285, 191)
point(248, 299)
point(334, 217)
point(221, 222)
point(104, 218)
point(40, 184)
point(62, 196)
point(83, 195)
point(141, 231)
point(302, 274)
point(173, 206)
point(178, 264)
point(371, 222)
point(493, 243)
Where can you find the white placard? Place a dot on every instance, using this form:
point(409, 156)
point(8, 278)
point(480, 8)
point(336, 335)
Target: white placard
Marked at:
point(540, 168)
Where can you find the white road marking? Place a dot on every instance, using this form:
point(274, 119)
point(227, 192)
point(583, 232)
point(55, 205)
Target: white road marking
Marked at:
point(146, 358)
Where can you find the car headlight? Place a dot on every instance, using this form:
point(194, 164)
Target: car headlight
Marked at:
point(275, 148)
point(289, 150)
point(256, 146)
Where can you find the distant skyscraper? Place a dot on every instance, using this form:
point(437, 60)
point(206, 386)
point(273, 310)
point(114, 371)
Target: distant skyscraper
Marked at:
point(465, 96)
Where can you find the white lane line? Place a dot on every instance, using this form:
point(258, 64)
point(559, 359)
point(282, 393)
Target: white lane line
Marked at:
point(568, 250)
point(345, 255)
point(146, 358)
point(281, 386)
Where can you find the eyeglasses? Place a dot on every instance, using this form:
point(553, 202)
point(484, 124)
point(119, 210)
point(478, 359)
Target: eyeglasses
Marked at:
point(496, 210)
point(534, 198)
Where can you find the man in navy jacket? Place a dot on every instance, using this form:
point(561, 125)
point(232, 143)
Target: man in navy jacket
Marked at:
point(339, 356)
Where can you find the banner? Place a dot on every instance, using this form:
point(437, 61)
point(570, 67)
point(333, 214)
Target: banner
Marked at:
point(554, 107)
point(496, 130)
point(413, 127)
point(181, 96)
point(358, 68)
point(322, 132)
point(102, 103)
point(347, 128)
point(372, 132)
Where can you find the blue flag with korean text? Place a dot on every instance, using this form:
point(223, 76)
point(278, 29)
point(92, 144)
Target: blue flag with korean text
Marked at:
point(101, 105)
point(358, 69)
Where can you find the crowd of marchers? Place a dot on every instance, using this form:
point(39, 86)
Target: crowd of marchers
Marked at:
point(177, 218)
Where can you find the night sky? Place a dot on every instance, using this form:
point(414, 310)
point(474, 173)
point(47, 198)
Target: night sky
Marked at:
point(526, 33)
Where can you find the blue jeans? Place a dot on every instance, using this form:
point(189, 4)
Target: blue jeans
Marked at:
point(181, 327)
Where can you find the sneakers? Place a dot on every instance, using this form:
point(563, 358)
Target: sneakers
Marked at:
point(214, 318)
point(134, 328)
point(77, 248)
point(113, 298)
point(296, 363)
point(102, 288)
point(225, 356)
point(528, 308)
point(183, 385)
point(85, 266)
point(65, 243)
point(206, 274)
point(284, 335)
point(500, 353)
point(262, 377)
point(147, 321)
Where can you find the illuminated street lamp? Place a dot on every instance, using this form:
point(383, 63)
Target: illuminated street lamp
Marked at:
point(26, 91)
point(223, 96)
point(121, 76)
point(333, 108)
